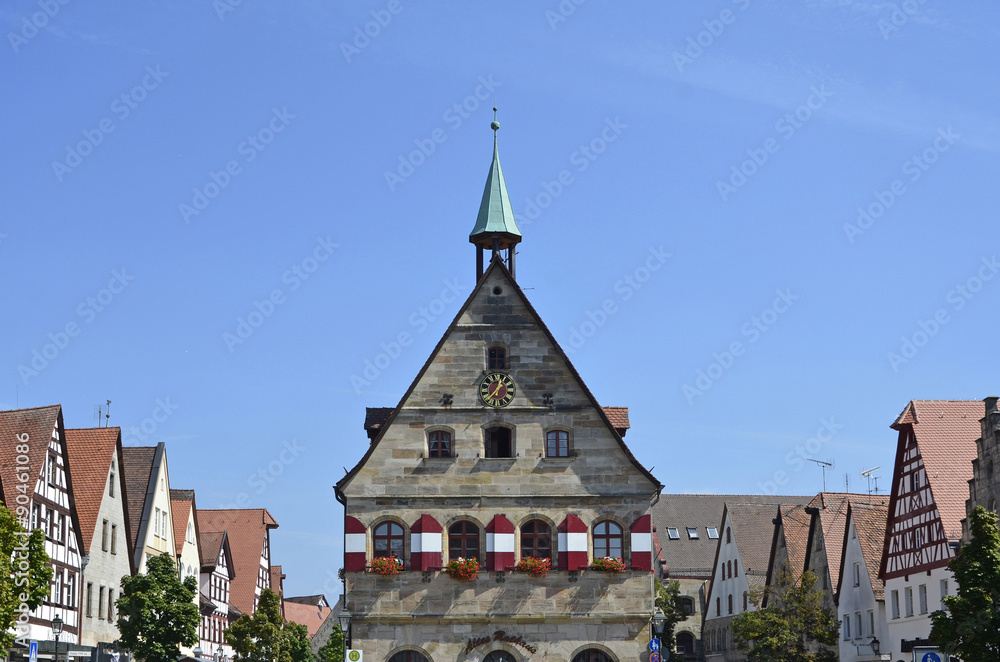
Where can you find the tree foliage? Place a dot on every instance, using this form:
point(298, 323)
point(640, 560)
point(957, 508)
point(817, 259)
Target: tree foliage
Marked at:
point(298, 642)
point(794, 627)
point(668, 601)
point(25, 574)
point(333, 649)
point(970, 629)
point(260, 637)
point(156, 612)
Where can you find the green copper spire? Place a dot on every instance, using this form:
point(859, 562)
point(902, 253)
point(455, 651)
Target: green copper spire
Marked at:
point(495, 212)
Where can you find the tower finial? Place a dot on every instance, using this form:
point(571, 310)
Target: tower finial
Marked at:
point(494, 124)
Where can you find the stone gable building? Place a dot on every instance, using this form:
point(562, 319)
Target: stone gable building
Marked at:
point(984, 486)
point(498, 451)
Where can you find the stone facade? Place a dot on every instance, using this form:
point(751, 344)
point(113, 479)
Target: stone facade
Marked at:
point(984, 488)
point(574, 608)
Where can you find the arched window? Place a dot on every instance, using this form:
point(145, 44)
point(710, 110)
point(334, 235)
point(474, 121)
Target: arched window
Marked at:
point(730, 603)
point(497, 358)
point(408, 656)
point(536, 540)
point(718, 606)
point(463, 540)
point(439, 443)
point(729, 537)
point(607, 539)
point(388, 539)
point(688, 604)
point(685, 643)
point(498, 442)
point(736, 568)
point(557, 443)
point(592, 655)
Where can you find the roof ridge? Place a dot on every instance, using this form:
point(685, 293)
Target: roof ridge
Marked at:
point(8, 411)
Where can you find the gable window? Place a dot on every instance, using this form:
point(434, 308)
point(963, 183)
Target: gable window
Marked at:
point(536, 540)
point(557, 443)
point(439, 443)
point(718, 606)
point(497, 358)
point(713, 533)
point(90, 599)
point(857, 574)
point(672, 533)
point(156, 521)
point(111, 482)
point(51, 470)
point(692, 533)
point(388, 540)
point(498, 442)
point(736, 567)
point(729, 537)
point(729, 568)
point(744, 600)
point(70, 588)
point(607, 540)
point(111, 604)
point(104, 536)
point(730, 603)
point(463, 540)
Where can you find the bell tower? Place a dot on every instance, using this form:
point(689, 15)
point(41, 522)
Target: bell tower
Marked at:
point(495, 229)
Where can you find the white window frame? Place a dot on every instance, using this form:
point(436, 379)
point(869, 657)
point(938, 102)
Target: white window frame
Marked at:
point(713, 533)
point(673, 533)
point(895, 604)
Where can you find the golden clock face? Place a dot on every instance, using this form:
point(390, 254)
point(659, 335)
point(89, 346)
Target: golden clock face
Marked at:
point(497, 389)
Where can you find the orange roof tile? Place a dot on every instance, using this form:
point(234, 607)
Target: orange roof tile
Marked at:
point(869, 522)
point(310, 616)
point(247, 532)
point(946, 432)
point(180, 506)
point(832, 510)
point(90, 451)
point(795, 523)
point(277, 580)
point(618, 417)
point(38, 423)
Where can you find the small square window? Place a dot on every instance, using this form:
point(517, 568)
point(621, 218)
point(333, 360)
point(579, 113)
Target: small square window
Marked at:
point(692, 533)
point(497, 358)
point(713, 533)
point(672, 533)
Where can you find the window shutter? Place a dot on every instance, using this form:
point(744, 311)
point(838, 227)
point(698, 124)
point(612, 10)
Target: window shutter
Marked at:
point(425, 544)
point(355, 544)
point(499, 544)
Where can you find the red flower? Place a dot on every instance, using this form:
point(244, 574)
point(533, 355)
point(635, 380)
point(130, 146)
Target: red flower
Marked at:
point(534, 567)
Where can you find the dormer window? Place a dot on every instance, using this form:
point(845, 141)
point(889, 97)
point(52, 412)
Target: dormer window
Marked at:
point(692, 532)
point(497, 358)
point(713, 533)
point(672, 533)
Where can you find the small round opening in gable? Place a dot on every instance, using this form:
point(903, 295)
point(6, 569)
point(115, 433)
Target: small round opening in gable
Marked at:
point(497, 290)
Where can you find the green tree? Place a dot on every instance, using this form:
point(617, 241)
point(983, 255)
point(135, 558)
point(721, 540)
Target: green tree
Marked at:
point(156, 612)
point(298, 642)
point(668, 601)
point(793, 627)
point(24, 576)
point(970, 629)
point(261, 637)
point(333, 649)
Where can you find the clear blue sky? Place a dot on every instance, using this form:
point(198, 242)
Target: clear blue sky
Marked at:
point(739, 138)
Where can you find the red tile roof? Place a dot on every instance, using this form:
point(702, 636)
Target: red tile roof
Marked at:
point(209, 546)
point(137, 469)
point(180, 507)
point(90, 451)
point(869, 522)
point(277, 580)
point(38, 423)
point(832, 517)
point(795, 523)
point(618, 417)
point(310, 616)
point(247, 532)
point(946, 432)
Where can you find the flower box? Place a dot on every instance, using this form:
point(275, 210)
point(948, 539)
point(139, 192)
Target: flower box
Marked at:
point(609, 564)
point(463, 569)
point(385, 565)
point(534, 567)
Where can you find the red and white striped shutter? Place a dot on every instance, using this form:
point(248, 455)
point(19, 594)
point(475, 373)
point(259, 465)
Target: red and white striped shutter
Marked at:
point(572, 543)
point(425, 544)
point(355, 544)
point(642, 544)
point(499, 544)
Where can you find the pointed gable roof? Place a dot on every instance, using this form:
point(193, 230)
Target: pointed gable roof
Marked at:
point(829, 510)
point(181, 505)
point(794, 522)
point(38, 423)
point(90, 452)
point(869, 523)
point(946, 432)
point(246, 530)
point(497, 269)
point(137, 467)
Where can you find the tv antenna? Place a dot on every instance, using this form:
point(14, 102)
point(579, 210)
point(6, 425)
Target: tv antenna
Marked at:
point(869, 475)
point(103, 410)
point(822, 465)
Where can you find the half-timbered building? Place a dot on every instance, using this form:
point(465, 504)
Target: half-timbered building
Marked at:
point(33, 445)
point(934, 451)
point(216, 575)
point(249, 534)
point(496, 459)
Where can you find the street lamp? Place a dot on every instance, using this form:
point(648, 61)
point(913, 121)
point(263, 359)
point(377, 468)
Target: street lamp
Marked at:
point(659, 620)
point(222, 656)
point(345, 627)
point(198, 652)
point(875, 645)
point(57, 625)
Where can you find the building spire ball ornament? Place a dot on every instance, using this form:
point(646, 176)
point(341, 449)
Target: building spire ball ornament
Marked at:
point(496, 230)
